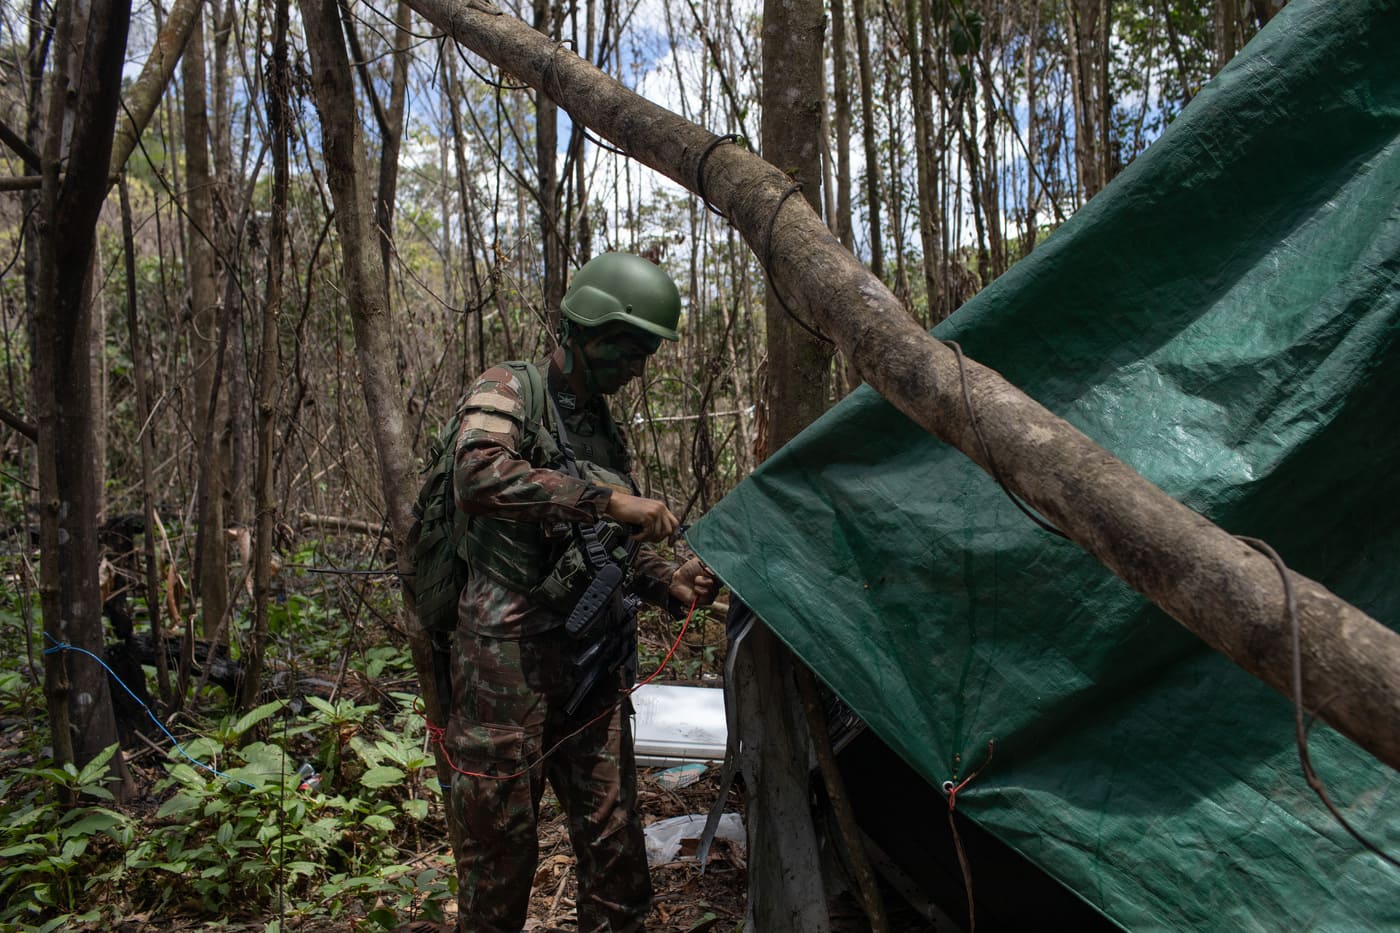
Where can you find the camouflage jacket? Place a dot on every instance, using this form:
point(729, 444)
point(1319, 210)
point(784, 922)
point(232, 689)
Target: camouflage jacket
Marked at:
point(500, 478)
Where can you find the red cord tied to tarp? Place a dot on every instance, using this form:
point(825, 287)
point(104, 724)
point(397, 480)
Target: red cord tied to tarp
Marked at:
point(952, 789)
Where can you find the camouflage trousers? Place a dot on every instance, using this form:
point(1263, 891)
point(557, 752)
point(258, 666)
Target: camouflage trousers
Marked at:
point(508, 702)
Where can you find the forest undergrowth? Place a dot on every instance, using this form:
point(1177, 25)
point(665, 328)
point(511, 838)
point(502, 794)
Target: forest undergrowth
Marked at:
point(318, 809)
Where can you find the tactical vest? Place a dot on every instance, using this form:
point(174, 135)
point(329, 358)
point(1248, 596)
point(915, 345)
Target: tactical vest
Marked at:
point(543, 561)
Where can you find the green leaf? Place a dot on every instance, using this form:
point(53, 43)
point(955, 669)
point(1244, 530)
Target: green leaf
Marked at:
point(257, 715)
point(369, 754)
point(417, 809)
point(381, 823)
point(186, 775)
point(96, 769)
point(383, 776)
point(177, 804)
point(384, 917)
point(96, 820)
point(73, 849)
point(52, 775)
point(301, 869)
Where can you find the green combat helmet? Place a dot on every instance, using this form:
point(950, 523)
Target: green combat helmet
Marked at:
point(620, 287)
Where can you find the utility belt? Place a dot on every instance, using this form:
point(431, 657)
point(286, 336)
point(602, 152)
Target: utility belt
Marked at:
point(574, 570)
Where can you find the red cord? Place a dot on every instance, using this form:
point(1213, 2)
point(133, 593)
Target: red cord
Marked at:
point(437, 734)
point(953, 791)
point(674, 645)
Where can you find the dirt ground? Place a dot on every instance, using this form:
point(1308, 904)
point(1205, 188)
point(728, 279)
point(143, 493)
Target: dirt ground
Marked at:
point(685, 900)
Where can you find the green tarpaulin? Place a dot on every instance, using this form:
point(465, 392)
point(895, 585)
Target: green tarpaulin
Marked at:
point(1223, 318)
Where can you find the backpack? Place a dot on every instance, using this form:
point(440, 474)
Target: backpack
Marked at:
point(438, 536)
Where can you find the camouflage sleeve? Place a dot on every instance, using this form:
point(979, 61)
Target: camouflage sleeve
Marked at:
point(651, 576)
point(492, 478)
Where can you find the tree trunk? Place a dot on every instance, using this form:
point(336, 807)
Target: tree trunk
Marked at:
point(925, 152)
point(472, 329)
point(784, 856)
point(228, 216)
point(1224, 16)
point(1031, 227)
point(279, 128)
point(547, 170)
point(1216, 586)
point(393, 139)
point(991, 164)
point(211, 572)
point(1090, 23)
point(841, 93)
point(368, 300)
point(90, 45)
point(870, 139)
point(148, 454)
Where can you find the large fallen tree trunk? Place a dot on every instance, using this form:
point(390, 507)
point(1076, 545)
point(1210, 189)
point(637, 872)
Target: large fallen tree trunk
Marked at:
point(1211, 582)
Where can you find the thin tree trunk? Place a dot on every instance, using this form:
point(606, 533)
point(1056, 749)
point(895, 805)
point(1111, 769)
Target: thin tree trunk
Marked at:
point(1107, 161)
point(991, 168)
point(1224, 14)
point(547, 171)
point(967, 133)
point(924, 150)
point(211, 571)
point(368, 301)
point(1216, 586)
point(269, 360)
point(1085, 173)
point(147, 445)
point(870, 139)
point(393, 138)
point(895, 137)
point(1031, 229)
point(90, 45)
point(841, 92)
point(477, 300)
point(228, 224)
point(1183, 73)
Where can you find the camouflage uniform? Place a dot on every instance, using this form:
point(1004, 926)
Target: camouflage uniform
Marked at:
point(512, 676)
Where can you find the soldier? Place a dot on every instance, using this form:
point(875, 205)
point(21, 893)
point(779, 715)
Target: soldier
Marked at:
point(514, 664)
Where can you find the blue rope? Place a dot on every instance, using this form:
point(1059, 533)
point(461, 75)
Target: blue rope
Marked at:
point(64, 646)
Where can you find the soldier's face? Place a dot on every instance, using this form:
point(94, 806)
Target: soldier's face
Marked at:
point(616, 356)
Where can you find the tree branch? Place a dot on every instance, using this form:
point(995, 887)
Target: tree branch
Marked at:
point(145, 94)
point(21, 148)
point(26, 428)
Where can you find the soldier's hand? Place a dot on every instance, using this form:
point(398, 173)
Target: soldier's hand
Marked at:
point(693, 582)
point(651, 517)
